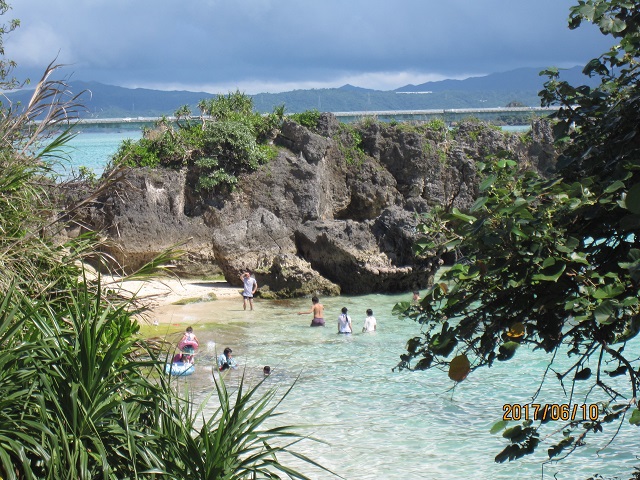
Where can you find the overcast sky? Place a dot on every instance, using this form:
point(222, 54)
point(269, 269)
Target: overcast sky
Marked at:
point(218, 46)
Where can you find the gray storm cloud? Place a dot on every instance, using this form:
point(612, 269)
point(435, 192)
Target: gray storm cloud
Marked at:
point(271, 45)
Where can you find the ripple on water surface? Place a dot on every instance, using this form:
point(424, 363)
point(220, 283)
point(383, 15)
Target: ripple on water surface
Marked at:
point(383, 424)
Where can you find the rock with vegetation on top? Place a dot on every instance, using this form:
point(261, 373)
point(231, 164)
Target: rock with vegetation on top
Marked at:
point(334, 210)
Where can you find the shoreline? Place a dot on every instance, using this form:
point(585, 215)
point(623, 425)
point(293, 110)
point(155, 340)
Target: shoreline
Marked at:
point(161, 296)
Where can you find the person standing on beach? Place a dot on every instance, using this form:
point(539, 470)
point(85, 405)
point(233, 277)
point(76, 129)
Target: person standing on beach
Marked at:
point(370, 323)
point(344, 322)
point(318, 313)
point(250, 287)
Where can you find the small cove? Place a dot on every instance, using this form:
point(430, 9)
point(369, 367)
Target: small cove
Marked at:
point(378, 423)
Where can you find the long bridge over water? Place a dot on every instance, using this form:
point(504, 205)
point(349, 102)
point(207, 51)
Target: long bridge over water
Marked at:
point(450, 116)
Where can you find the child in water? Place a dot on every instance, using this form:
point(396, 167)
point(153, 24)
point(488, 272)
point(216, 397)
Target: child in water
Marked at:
point(188, 345)
point(344, 322)
point(369, 322)
point(226, 360)
point(318, 313)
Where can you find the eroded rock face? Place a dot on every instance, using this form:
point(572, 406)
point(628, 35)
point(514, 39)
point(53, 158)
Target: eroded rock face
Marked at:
point(288, 275)
point(310, 221)
point(143, 215)
point(251, 241)
point(351, 254)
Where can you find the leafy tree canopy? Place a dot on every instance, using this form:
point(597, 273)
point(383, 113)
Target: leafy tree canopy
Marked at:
point(551, 262)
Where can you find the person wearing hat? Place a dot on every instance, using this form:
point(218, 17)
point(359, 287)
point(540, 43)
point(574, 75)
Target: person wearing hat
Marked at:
point(226, 361)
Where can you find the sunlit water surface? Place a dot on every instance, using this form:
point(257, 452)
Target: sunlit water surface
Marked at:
point(92, 150)
point(377, 423)
point(381, 424)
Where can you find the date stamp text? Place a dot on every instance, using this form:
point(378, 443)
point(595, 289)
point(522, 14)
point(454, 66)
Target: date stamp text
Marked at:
point(550, 411)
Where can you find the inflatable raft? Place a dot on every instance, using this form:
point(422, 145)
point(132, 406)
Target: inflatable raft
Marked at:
point(179, 368)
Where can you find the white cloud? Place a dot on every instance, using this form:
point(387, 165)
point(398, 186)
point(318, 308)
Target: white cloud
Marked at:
point(37, 44)
point(273, 46)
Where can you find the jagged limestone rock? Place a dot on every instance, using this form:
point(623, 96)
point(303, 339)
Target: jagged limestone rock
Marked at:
point(311, 220)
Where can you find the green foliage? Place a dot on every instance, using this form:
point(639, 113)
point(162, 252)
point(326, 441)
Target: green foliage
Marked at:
point(6, 66)
point(308, 118)
point(136, 154)
point(437, 125)
point(368, 121)
point(556, 259)
point(349, 141)
point(81, 396)
point(228, 139)
point(232, 444)
point(87, 175)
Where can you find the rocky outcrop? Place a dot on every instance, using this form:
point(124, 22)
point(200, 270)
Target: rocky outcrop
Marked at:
point(328, 214)
point(142, 215)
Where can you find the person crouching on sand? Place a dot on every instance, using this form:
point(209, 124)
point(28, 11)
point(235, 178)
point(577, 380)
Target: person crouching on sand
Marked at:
point(318, 313)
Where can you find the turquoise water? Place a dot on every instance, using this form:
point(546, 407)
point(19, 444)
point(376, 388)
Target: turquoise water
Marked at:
point(93, 150)
point(379, 424)
point(384, 424)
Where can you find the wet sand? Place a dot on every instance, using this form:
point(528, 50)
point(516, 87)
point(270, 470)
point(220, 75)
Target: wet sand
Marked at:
point(164, 296)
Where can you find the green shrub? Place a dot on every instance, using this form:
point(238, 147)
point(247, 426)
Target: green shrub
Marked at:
point(349, 141)
point(227, 140)
point(436, 125)
point(136, 154)
point(308, 118)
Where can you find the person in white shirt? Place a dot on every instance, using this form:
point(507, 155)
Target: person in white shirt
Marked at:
point(250, 287)
point(344, 322)
point(369, 322)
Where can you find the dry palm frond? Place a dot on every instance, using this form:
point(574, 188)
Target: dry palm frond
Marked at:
point(51, 106)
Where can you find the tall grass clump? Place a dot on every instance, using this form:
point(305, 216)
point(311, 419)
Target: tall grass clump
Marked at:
point(82, 395)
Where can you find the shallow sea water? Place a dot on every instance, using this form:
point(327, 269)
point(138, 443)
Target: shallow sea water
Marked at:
point(93, 150)
point(377, 424)
point(381, 424)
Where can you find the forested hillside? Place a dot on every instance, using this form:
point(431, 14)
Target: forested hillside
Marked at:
point(496, 90)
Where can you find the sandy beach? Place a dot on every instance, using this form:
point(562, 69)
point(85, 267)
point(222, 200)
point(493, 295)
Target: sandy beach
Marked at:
point(163, 296)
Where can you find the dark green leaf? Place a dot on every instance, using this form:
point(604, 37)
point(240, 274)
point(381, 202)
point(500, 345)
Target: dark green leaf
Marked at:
point(487, 182)
point(583, 374)
point(552, 273)
point(608, 291)
point(604, 313)
point(632, 200)
point(455, 213)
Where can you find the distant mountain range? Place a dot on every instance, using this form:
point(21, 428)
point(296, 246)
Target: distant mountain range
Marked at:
point(490, 91)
